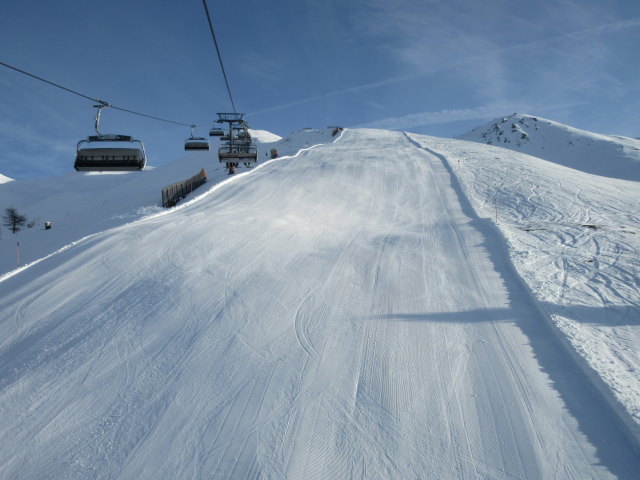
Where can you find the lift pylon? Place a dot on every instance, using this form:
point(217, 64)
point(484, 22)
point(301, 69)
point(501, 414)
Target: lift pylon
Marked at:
point(237, 145)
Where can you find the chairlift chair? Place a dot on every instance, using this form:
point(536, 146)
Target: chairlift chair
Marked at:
point(107, 152)
point(196, 143)
point(237, 134)
point(237, 152)
point(237, 147)
point(216, 132)
point(230, 117)
point(242, 134)
point(93, 155)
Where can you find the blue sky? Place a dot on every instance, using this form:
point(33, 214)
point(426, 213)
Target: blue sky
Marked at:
point(434, 67)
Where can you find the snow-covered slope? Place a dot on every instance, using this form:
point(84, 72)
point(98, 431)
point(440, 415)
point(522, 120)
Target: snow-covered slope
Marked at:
point(605, 155)
point(4, 179)
point(80, 204)
point(574, 238)
point(263, 136)
point(338, 314)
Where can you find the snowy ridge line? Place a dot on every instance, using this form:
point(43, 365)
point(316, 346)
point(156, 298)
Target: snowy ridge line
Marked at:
point(595, 379)
point(196, 199)
point(60, 250)
point(219, 185)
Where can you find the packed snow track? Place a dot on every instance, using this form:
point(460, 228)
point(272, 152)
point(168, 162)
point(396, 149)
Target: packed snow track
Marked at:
point(341, 314)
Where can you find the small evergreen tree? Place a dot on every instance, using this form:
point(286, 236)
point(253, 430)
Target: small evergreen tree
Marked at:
point(13, 220)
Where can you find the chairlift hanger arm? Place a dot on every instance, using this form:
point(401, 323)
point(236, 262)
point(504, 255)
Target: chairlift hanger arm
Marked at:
point(100, 106)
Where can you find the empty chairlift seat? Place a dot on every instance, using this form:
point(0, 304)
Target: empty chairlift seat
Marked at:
point(110, 153)
point(237, 153)
point(196, 143)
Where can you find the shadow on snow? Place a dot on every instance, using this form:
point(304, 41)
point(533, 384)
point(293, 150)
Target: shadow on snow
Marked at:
point(613, 438)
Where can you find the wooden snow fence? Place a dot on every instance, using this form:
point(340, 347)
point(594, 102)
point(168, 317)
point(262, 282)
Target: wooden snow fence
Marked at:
point(173, 193)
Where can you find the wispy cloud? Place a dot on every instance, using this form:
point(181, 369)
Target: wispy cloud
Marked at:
point(445, 116)
point(342, 91)
point(455, 115)
point(470, 50)
point(26, 152)
point(25, 135)
point(435, 31)
point(264, 68)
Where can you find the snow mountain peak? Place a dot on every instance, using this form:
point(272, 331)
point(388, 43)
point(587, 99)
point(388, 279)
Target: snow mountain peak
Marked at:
point(606, 155)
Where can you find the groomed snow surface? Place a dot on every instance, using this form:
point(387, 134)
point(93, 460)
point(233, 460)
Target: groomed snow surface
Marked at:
point(353, 311)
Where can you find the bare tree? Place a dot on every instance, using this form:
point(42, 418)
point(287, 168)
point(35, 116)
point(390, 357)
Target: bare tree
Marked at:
point(13, 220)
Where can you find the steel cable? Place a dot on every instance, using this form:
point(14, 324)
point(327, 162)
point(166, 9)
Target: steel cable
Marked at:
point(215, 42)
point(97, 100)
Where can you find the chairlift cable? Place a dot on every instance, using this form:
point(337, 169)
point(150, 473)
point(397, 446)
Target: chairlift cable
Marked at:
point(150, 116)
point(215, 42)
point(51, 83)
point(97, 100)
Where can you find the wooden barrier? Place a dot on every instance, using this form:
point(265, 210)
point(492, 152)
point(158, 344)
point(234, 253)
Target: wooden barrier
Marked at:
point(173, 193)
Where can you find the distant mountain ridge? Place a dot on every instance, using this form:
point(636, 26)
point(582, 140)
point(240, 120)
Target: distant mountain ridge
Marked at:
point(606, 155)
